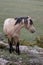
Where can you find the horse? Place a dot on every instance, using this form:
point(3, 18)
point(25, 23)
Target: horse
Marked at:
point(12, 28)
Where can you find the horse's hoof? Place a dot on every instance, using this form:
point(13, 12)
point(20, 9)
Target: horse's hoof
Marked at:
point(10, 51)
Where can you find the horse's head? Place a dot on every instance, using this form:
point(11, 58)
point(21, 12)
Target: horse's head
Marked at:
point(28, 23)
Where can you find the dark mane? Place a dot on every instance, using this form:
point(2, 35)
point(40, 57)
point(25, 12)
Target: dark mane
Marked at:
point(20, 19)
point(31, 22)
point(16, 18)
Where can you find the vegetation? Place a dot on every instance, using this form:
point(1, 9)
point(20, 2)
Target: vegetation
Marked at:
point(39, 41)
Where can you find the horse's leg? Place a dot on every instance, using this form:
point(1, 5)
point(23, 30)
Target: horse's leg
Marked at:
point(10, 45)
point(17, 48)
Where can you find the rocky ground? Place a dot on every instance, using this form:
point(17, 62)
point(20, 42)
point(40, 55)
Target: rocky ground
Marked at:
point(29, 56)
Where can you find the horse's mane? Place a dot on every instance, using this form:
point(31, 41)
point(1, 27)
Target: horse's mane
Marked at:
point(19, 19)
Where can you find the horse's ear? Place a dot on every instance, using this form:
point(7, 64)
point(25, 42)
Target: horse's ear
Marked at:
point(18, 21)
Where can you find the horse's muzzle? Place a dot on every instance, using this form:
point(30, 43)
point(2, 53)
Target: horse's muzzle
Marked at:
point(33, 31)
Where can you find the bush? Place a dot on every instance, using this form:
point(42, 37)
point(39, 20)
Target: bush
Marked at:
point(39, 40)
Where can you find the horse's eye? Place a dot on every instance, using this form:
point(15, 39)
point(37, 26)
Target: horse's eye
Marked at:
point(31, 22)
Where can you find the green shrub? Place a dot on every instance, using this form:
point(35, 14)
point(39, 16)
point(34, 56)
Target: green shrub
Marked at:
point(39, 41)
point(27, 43)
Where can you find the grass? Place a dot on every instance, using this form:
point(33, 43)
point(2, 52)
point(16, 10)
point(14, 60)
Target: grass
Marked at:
point(14, 8)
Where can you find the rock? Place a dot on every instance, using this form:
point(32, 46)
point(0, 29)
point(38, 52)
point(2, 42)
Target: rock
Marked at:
point(24, 49)
point(3, 61)
point(35, 61)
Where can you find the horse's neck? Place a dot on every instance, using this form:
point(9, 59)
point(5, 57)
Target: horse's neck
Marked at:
point(19, 27)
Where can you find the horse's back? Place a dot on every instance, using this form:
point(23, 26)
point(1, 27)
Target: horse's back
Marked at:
point(8, 25)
